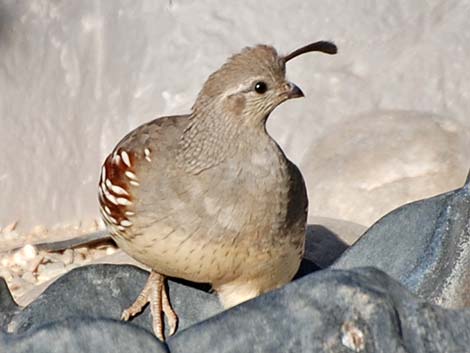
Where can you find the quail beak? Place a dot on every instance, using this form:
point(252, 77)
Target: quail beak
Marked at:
point(293, 91)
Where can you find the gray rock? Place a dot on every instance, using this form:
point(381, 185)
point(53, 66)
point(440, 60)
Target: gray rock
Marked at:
point(361, 310)
point(104, 291)
point(83, 336)
point(8, 307)
point(425, 245)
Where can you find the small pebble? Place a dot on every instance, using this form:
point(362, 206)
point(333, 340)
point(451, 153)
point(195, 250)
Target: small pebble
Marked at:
point(6, 261)
point(82, 250)
point(34, 263)
point(111, 250)
point(50, 270)
point(52, 257)
point(24, 255)
point(12, 235)
point(16, 269)
point(19, 259)
point(29, 251)
point(68, 256)
point(79, 258)
point(99, 253)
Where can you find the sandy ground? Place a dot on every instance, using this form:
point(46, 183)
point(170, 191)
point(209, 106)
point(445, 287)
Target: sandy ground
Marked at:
point(26, 267)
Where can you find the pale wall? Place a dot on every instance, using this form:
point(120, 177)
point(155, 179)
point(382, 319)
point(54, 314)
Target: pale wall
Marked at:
point(75, 76)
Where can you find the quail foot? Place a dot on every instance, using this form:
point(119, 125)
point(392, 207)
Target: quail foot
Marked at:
point(209, 196)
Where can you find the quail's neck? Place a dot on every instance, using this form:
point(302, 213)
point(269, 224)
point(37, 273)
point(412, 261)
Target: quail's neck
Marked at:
point(212, 137)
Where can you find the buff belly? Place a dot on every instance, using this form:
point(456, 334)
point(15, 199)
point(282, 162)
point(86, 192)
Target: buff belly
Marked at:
point(202, 258)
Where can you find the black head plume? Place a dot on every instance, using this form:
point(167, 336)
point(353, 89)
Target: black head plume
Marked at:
point(322, 46)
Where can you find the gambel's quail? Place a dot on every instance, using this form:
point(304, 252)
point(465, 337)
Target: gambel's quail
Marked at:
point(210, 196)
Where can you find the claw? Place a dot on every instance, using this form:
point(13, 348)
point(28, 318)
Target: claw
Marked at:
point(125, 315)
point(169, 313)
point(154, 293)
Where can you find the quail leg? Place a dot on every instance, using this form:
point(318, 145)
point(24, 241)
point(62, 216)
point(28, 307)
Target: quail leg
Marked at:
point(155, 294)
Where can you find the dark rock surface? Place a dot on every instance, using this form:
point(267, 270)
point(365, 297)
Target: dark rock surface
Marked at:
point(425, 245)
point(332, 311)
point(83, 335)
point(8, 307)
point(360, 310)
point(103, 291)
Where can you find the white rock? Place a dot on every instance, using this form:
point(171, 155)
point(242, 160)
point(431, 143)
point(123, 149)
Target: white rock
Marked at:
point(10, 235)
point(68, 257)
point(78, 258)
point(50, 270)
point(29, 251)
point(110, 250)
point(20, 259)
point(53, 257)
point(378, 161)
point(6, 261)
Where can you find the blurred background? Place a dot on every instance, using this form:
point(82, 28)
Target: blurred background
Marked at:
point(383, 123)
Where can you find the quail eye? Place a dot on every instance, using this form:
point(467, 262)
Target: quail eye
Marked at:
point(261, 87)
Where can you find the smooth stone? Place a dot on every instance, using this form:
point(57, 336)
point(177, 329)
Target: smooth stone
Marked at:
point(425, 245)
point(363, 169)
point(361, 310)
point(104, 291)
point(84, 336)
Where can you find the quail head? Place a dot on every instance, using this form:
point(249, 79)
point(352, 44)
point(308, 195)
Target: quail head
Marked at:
point(209, 196)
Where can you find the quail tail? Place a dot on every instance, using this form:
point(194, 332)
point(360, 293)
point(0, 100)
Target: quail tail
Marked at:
point(155, 294)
